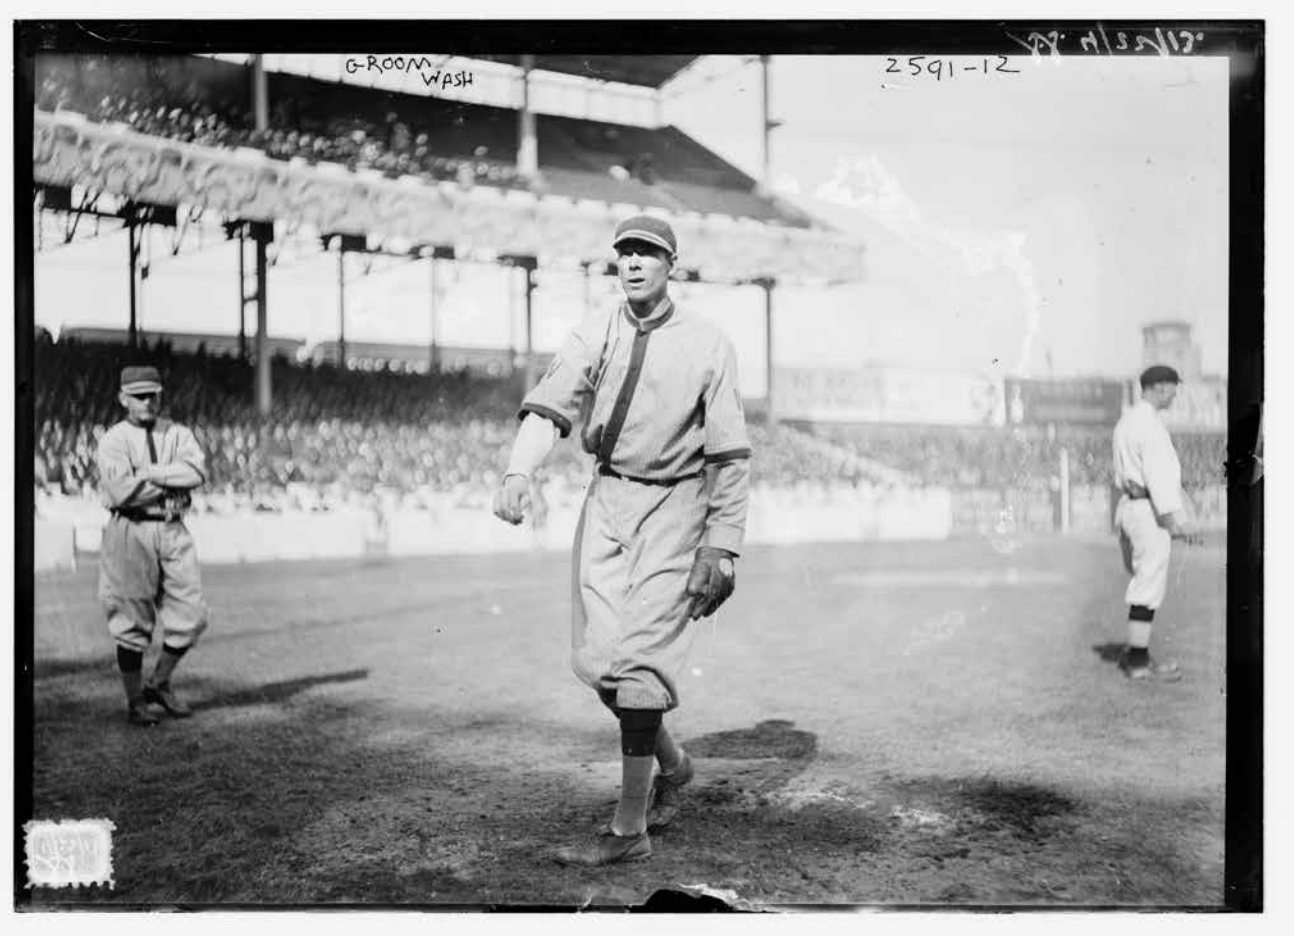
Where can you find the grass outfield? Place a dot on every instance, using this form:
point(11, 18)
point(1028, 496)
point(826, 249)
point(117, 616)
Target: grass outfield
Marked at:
point(873, 723)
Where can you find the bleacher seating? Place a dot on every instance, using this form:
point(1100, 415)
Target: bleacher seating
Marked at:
point(1014, 458)
point(582, 184)
point(334, 436)
point(648, 154)
point(332, 422)
point(205, 101)
point(340, 435)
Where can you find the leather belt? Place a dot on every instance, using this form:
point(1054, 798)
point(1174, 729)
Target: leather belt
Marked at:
point(605, 470)
point(148, 516)
point(1134, 491)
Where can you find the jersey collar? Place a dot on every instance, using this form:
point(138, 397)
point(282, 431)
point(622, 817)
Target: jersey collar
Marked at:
point(663, 312)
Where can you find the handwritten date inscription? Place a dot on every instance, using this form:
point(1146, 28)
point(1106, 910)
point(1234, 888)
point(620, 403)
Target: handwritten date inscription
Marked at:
point(1100, 41)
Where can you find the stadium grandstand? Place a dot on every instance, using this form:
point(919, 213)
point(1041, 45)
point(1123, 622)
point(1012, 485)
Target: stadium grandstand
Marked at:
point(170, 140)
point(1013, 458)
point(478, 362)
point(294, 425)
point(199, 343)
point(204, 101)
point(339, 437)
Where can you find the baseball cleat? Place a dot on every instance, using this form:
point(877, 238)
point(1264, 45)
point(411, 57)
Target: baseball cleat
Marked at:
point(606, 849)
point(1168, 672)
point(138, 713)
point(162, 695)
point(666, 797)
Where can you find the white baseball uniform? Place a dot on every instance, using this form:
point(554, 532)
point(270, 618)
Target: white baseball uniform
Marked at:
point(1147, 472)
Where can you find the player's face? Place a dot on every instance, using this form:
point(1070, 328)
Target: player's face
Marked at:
point(141, 409)
point(1165, 393)
point(644, 272)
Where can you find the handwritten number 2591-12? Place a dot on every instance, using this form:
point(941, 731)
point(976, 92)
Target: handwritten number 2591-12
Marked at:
point(917, 65)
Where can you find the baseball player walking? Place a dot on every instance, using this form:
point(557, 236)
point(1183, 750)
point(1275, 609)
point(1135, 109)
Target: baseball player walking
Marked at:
point(148, 569)
point(663, 520)
point(1149, 516)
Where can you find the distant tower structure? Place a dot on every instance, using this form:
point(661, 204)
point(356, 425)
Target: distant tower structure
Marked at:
point(1170, 343)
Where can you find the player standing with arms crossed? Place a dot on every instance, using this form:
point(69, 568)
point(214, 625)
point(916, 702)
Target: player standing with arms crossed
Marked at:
point(1149, 516)
point(148, 568)
point(663, 519)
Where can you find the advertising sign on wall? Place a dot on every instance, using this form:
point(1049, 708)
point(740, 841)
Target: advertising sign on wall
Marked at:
point(881, 394)
point(1063, 400)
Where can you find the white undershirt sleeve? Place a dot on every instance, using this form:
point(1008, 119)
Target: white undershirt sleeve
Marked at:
point(535, 440)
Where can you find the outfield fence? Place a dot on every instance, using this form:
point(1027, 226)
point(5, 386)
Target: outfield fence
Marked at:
point(66, 528)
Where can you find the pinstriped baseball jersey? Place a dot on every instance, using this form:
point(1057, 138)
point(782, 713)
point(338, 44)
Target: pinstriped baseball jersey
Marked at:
point(148, 569)
point(126, 449)
point(659, 395)
point(660, 400)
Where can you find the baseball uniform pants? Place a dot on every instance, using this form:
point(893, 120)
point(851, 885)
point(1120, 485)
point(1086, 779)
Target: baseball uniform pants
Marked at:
point(1146, 549)
point(148, 573)
point(634, 548)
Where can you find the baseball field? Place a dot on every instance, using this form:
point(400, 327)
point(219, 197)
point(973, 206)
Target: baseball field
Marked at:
point(918, 724)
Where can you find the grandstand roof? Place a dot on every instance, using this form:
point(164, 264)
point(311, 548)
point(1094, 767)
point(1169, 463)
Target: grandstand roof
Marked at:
point(650, 71)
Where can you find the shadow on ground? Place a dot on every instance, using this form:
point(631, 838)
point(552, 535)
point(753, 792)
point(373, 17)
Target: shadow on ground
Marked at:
point(768, 739)
point(60, 667)
point(200, 692)
point(213, 695)
point(1109, 652)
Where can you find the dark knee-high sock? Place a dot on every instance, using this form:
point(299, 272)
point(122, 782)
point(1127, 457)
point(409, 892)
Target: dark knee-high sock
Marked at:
point(1140, 625)
point(131, 665)
point(166, 663)
point(639, 732)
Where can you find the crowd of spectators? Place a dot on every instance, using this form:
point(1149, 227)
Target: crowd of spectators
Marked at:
point(390, 147)
point(783, 460)
point(347, 437)
point(115, 90)
point(206, 102)
point(1203, 456)
point(177, 106)
point(335, 436)
point(1021, 459)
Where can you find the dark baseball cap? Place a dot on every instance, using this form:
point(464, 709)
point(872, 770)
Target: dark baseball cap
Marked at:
point(140, 379)
point(1159, 374)
point(647, 228)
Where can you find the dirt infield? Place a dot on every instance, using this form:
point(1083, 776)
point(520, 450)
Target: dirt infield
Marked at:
point(873, 724)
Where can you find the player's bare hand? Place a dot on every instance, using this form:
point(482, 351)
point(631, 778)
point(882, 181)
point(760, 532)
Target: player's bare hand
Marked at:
point(512, 499)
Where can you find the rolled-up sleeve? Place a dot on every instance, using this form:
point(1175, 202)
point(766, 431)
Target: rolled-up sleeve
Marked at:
point(119, 484)
point(727, 456)
point(561, 394)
